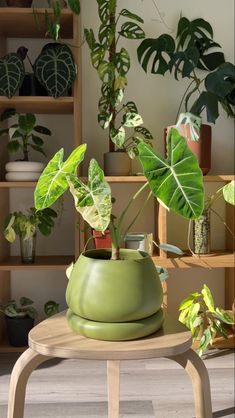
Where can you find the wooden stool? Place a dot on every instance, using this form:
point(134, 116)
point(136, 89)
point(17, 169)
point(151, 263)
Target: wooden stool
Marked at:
point(53, 338)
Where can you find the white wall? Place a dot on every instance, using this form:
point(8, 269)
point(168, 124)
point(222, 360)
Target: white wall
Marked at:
point(157, 98)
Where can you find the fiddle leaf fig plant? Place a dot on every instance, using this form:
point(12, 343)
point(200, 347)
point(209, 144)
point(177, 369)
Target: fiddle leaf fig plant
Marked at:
point(193, 54)
point(177, 182)
point(112, 64)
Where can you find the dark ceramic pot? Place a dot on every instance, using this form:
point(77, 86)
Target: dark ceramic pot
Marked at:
point(31, 87)
point(18, 329)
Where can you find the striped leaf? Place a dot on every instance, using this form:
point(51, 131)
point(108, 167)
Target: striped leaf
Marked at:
point(11, 74)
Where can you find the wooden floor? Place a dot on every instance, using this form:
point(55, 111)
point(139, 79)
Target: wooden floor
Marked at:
point(149, 389)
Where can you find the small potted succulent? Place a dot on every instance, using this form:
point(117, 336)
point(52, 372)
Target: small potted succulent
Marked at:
point(112, 63)
point(30, 85)
point(193, 54)
point(19, 320)
point(125, 279)
point(26, 226)
point(205, 321)
point(24, 135)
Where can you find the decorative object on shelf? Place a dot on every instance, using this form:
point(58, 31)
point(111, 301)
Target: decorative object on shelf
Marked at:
point(11, 74)
point(23, 135)
point(210, 78)
point(19, 3)
point(199, 314)
point(202, 225)
point(19, 320)
point(55, 69)
point(139, 241)
point(30, 85)
point(51, 308)
point(102, 239)
point(124, 300)
point(112, 65)
point(25, 226)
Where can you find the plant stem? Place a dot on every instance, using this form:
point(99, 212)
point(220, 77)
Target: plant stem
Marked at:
point(222, 220)
point(115, 236)
point(181, 102)
point(25, 148)
point(129, 204)
point(112, 54)
point(138, 213)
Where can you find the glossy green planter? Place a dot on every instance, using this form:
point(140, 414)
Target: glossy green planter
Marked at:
point(106, 291)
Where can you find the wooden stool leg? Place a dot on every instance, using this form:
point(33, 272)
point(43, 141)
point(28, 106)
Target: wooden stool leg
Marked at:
point(113, 376)
point(24, 366)
point(197, 371)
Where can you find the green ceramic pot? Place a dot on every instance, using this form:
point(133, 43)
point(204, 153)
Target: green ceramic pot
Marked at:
point(100, 289)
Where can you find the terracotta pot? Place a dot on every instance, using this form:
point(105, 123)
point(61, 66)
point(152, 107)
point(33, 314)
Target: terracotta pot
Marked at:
point(19, 3)
point(102, 240)
point(117, 164)
point(201, 148)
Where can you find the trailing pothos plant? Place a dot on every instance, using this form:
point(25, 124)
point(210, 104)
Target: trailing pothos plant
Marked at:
point(112, 64)
point(176, 182)
point(25, 134)
point(193, 54)
point(199, 314)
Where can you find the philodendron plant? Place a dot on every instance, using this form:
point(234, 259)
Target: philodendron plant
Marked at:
point(112, 64)
point(176, 182)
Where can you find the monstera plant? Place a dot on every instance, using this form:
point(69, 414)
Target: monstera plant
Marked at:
point(55, 69)
point(112, 63)
point(11, 74)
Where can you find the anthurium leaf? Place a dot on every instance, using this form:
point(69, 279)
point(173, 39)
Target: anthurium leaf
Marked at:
point(221, 81)
point(154, 51)
point(171, 248)
point(177, 181)
point(11, 74)
point(229, 192)
point(25, 301)
point(53, 182)
point(189, 300)
point(208, 299)
point(93, 201)
point(208, 101)
point(130, 15)
point(118, 136)
point(131, 120)
point(131, 30)
point(189, 32)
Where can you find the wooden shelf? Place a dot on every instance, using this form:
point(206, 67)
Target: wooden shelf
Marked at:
point(215, 260)
point(38, 104)
point(57, 262)
point(5, 347)
point(20, 23)
point(17, 184)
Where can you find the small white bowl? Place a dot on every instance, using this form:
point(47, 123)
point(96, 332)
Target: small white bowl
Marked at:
point(32, 166)
point(22, 176)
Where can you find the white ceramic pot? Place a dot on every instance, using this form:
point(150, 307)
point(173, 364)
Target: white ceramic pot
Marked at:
point(22, 176)
point(32, 166)
point(117, 164)
point(139, 241)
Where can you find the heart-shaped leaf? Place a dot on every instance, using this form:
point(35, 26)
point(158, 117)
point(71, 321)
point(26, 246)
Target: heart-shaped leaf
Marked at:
point(229, 192)
point(93, 200)
point(155, 50)
point(11, 74)
point(177, 181)
point(55, 69)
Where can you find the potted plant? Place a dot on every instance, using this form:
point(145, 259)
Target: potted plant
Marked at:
point(112, 64)
point(125, 279)
point(25, 226)
point(12, 64)
point(24, 135)
point(199, 314)
point(191, 54)
point(30, 85)
point(51, 308)
point(19, 320)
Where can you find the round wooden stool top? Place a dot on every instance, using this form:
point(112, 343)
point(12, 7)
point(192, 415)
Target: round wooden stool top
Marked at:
point(54, 338)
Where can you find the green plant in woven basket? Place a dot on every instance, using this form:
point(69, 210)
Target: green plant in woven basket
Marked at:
point(199, 314)
point(55, 69)
point(12, 73)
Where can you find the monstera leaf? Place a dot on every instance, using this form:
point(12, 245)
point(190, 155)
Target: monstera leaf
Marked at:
point(155, 50)
point(190, 32)
point(93, 200)
point(11, 74)
point(55, 69)
point(53, 180)
point(177, 181)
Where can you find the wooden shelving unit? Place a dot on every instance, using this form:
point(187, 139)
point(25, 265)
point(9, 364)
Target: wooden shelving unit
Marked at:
point(20, 22)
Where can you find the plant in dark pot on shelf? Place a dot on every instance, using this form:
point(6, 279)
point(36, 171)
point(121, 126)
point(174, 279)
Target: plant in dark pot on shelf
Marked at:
point(112, 63)
point(116, 294)
point(24, 135)
point(19, 320)
point(26, 226)
point(30, 85)
point(193, 54)
point(12, 73)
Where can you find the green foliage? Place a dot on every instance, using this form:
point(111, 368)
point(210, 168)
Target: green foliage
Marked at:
point(23, 135)
point(22, 309)
point(199, 314)
point(26, 225)
point(11, 74)
point(189, 55)
point(112, 65)
point(229, 192)
point(51, 308)
point(55, 69)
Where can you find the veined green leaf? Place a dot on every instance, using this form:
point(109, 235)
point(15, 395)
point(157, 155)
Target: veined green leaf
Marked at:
point(176, 181)
point(189, 300)
point(131, 30)
point(93, 201)
point(53, 180)
point(229, 192)
point(131, 120)
point(205, 341)
point(130, 15)
point(208, 299)
point(224, 316)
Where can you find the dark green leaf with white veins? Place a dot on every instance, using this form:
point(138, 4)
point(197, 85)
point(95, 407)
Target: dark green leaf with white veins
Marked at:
point(55, 69)
point(93, 200)
point(131, 30)
point(11, 74)
point(154, 52)
point(53, 180)
point(130, 15)
point(176, 181)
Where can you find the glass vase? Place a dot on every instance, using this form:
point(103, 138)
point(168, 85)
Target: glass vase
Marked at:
point(27, 249)
point(201, 234)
